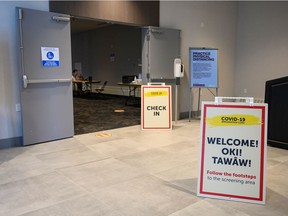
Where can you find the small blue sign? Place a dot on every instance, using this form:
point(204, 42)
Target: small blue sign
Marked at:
point(50, 57)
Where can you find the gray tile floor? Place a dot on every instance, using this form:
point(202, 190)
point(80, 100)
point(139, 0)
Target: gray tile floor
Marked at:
point(130, 173)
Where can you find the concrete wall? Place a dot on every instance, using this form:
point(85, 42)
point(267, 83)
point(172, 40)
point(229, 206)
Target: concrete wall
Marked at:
point(262, 46)
point(251, 38)
point(204, 24)
point(10, 120)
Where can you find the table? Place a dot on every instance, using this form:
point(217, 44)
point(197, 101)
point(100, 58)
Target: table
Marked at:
point(88, 84)
point(132, 93)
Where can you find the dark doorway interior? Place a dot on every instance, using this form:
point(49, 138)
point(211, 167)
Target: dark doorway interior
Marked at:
point(94, 113)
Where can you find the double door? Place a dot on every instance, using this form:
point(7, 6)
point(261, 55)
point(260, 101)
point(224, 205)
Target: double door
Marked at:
point(46, 71)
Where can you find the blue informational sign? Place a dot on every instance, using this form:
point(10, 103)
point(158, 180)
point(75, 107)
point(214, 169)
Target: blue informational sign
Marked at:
point(203, 68)
point(50, 57)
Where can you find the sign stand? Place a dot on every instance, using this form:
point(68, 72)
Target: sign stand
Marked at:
point(203, 67)
point(176, 98)
point(199, 101)
point(233, 150)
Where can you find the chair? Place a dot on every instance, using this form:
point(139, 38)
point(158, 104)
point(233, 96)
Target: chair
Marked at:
point(101, 89)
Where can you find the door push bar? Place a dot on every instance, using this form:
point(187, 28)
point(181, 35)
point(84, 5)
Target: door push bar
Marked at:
point(26, 81)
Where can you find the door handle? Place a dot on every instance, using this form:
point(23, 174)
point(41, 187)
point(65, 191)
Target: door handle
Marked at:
point(26, 81)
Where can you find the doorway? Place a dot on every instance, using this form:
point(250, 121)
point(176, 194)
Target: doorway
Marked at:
point(45, 110)
point(104, 51)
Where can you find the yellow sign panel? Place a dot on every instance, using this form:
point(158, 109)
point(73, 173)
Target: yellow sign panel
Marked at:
point(233, 120)
point(157, 93)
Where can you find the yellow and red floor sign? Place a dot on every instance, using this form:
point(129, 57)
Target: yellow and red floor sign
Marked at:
point(233, 152)
point(156, 111)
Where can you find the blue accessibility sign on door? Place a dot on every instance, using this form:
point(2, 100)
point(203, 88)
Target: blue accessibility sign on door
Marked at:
point(50, 57)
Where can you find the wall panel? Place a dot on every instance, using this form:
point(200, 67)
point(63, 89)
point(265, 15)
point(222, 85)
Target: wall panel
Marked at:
point(131, 12)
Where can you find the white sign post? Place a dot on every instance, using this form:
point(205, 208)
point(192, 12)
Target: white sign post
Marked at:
point(233, 152)
point(156, 111)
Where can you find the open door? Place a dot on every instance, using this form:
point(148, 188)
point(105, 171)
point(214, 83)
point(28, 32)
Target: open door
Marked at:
point(160, 47)
point(46, 93)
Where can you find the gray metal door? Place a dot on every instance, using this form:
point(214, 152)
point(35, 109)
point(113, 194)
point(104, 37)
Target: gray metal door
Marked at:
point(160, 47)
point(46, 92)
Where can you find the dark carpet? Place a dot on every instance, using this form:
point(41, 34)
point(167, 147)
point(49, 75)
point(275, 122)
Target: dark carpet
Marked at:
point(97, 113)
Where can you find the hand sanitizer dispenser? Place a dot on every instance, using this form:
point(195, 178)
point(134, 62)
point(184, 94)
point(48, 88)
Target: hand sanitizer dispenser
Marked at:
point(178, 68)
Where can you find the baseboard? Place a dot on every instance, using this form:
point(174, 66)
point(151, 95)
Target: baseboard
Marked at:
point(194, 115)
point(10, 142)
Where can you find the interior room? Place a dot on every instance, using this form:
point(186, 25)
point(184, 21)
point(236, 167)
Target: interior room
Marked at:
point(105, 52)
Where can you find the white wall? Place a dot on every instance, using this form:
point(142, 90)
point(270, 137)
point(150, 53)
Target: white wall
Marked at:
point(262, 46)
point(204, 24)
point(261, 54)
point(10, 120)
